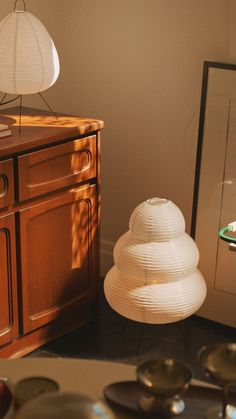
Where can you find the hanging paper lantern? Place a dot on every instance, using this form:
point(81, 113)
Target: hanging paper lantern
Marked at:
point(155, 277)
point(28, 58)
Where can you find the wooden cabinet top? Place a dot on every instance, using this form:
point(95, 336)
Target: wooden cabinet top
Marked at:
point(39, 128)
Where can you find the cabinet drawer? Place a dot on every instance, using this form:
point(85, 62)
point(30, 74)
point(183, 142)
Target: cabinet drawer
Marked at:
point(6, 183)
point(56, 167)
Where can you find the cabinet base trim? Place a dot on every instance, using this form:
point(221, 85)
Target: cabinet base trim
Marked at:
point(35, 340)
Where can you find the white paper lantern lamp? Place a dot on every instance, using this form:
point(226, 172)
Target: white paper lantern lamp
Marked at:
point(155, 277)
point(29, 61)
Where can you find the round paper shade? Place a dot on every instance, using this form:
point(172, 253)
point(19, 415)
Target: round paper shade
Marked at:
point(167, 261)
point(154, 303)
point(28, 58)
point(155, 278)
point(164, 221)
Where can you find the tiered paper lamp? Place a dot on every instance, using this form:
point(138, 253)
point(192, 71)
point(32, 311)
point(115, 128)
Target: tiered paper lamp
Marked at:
point(155, 277)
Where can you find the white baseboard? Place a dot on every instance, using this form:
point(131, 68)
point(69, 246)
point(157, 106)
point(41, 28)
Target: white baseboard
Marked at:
point(106, 256)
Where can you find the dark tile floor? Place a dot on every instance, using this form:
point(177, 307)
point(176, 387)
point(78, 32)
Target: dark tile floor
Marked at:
point(112, 337)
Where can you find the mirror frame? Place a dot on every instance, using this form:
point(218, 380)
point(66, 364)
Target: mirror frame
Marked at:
point(206, 66)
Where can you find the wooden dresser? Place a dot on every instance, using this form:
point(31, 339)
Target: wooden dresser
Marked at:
point(49, 227)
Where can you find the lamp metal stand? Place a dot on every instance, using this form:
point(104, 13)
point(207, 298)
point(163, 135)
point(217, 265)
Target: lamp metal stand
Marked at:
point(21, 98)
point(140, 338)
point(49, 107)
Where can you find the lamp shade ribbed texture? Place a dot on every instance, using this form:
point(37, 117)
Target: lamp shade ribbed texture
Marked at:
point(155, 278)
point(29, 61)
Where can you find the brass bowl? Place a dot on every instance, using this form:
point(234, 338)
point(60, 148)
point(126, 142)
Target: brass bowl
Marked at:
point(164, 381)
point(219, 361)
point(64, 405)
point(6, 399)
point(164, 377)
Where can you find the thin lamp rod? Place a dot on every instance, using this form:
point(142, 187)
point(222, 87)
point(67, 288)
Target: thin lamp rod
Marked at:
point(5, 95)
point(49, 107)
point(20, 113)
point(23, 3)
point(8, 101)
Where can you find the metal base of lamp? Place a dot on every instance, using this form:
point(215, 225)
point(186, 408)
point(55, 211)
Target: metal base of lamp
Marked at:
point(20, 97)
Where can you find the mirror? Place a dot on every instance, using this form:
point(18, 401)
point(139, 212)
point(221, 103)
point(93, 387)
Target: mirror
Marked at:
point(214, 204)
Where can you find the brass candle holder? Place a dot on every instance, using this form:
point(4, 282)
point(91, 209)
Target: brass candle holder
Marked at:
point(219, 363)
point(164, 380)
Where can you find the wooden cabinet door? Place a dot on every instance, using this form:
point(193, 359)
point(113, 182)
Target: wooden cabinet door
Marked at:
point(8, 285)
point(59, 260)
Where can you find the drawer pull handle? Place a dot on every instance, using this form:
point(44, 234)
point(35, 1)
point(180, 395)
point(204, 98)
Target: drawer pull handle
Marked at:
point(5, 185)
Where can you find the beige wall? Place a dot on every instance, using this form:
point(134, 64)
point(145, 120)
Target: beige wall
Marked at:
point(136, 64)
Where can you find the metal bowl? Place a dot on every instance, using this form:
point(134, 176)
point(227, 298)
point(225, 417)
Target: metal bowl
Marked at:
point(64, 405)
point(219, 361)
point(6, 400)
point(164, 377)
